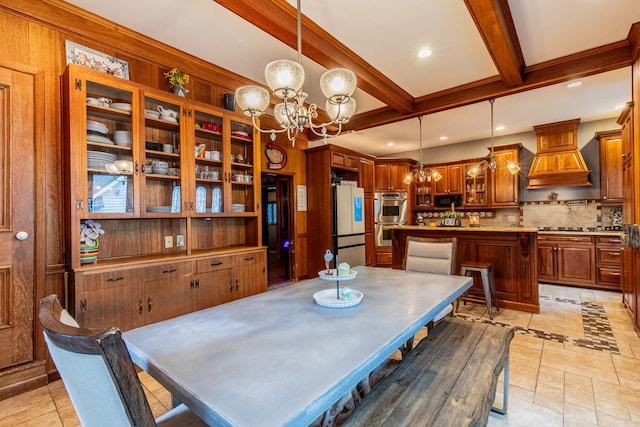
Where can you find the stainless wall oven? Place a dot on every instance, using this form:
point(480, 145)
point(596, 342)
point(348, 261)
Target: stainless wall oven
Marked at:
point(390, 208)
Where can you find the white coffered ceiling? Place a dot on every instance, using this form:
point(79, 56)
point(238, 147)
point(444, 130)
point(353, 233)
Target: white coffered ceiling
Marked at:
point(388, 35)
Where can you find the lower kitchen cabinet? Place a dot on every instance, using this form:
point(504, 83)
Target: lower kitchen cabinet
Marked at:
point(136, 295)
point(609, 252)
point(567, 259)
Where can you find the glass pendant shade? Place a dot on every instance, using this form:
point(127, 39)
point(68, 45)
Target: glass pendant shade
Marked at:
point(253, 100)
point(284, 77)
point(280, 114)
point(436, 176)
point(513, 168)
point(338, 83)
point(346, 110)
point(474, 171)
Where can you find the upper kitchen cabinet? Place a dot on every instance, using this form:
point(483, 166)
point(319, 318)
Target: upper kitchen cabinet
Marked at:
point(476, 187)
point(504, 185)
point(451, 182)
point(162, 174)
point(610, 167)
point(390, 173)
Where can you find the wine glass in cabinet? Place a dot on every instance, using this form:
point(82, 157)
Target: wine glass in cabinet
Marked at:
point(164, 189)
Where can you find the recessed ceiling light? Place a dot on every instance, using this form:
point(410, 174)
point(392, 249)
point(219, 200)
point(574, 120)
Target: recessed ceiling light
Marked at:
point(574, 84)
point(500, 128)
point(390, 144)
point(443, 138)
point(424, 53)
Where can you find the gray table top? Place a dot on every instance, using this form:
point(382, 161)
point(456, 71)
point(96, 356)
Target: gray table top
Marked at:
point(278, 358)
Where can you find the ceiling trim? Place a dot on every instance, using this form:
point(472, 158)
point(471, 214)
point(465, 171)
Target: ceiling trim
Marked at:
point(594, 61)
point(494, 22)
point(279, 18)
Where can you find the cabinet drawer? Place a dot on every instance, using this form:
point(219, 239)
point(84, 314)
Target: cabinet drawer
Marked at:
point(572, 238)
point(166, 271)
point(248, 258)
point(608, 240)
point(383, 258)
point(111, 279)
point(609, 255)
point(609, 275)
point(214, 264)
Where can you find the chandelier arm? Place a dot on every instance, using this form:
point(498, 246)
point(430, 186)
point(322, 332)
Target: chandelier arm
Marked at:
point(323, 132)
point(256, 127)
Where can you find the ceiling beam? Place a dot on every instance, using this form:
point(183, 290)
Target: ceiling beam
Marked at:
point(494, 22)
point(590, 62)
point(279, 18)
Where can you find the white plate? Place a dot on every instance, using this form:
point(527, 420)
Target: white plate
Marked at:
point(175, 199)
point(97, 127)
point(99, 138)
point(332, 275)
point(201, 199)
point(239, 133)
point(327, 298)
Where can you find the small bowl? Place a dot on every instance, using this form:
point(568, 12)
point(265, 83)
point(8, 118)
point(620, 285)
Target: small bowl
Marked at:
point(152, 114)
point(160, 164)
point(159, 170)
point(111, 167)
point(124, 165)
point(123, 106)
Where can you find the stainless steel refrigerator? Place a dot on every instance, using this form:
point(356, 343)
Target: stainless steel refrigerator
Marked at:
point(348, 224)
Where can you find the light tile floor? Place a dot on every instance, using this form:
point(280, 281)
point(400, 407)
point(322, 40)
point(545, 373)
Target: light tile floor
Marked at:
point(576, 363)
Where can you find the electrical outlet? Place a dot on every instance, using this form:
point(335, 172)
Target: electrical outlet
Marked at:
point(168, 242)
point(511, 218)
point(179, 240)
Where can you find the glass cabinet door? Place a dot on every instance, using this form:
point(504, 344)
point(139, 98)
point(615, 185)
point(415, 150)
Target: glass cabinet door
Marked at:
point(475, 191)
point(109, 141)
point(163, 162)
point(242, 170)
point(209, 154)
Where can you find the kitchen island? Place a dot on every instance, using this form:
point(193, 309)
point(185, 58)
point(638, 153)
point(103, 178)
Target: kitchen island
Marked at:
point(513, 251)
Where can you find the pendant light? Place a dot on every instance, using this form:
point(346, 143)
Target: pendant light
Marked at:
point(421, 173)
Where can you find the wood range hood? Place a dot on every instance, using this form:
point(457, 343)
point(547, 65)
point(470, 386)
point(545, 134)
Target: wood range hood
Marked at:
point(558, 162)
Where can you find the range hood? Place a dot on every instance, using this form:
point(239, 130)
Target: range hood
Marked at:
point(558, 162)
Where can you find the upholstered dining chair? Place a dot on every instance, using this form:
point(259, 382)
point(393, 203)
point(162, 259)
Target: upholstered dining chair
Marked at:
point(431, 255)
point(99, 375)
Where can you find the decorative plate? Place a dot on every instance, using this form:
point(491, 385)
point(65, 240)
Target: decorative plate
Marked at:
point(327, 298)
point(332, 275)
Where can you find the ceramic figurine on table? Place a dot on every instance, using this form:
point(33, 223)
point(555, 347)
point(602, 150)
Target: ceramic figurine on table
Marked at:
point(328, 257)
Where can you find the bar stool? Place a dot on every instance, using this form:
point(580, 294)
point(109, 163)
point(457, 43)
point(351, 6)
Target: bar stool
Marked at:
point(488, 284)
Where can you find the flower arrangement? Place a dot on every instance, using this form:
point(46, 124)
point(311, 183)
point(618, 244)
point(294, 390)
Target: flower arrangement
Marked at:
point(553, 195)
point(89, 232)
point(176, 77)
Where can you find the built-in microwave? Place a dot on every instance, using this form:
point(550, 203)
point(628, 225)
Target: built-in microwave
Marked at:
point(447, 200)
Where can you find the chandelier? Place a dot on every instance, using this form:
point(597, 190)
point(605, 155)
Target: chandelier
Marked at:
point(285, 79)
point(491, 163)
point(421, 173)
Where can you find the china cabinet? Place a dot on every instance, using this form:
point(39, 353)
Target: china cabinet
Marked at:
point(475, 187)
point(168, 179)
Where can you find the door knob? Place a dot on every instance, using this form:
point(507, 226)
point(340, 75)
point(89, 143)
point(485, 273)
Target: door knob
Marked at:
point(22, 235)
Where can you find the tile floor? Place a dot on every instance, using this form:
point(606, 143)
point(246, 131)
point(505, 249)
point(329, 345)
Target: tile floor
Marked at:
point(576, 363)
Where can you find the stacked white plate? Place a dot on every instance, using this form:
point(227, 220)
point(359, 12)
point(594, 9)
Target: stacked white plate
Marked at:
point(98, 159)
point(237, 207)
point(99, 138)
point(97, 127)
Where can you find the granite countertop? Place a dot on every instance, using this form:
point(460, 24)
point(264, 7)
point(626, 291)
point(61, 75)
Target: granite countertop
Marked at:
point(482, 228)
point(586, 233)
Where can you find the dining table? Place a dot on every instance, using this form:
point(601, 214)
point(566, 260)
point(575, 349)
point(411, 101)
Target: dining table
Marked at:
point(281, 359)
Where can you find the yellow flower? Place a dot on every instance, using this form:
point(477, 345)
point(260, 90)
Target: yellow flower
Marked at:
point(177, 77)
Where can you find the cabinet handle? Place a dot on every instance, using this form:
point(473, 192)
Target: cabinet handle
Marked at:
point(576, 239)
point(149, 304)
point(249, 258)
point(192, 284)
point(614, 253)
point(230, 286)
point(237, 285)
point(114, 279)
point(140, 306)
point(215, 264)
point(197, 283)
point(542, 238)
point(615, 241)
point(611, 273)
point(137, 168)
point(173, 270)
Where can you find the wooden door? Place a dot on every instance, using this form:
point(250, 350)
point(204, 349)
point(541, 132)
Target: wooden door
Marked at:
point(611, 169)
point(397, 174)
point(547, 266)
point(16, 217)
point(382, 177)
point(210, 288)
point(576, 264)
point(168, 291)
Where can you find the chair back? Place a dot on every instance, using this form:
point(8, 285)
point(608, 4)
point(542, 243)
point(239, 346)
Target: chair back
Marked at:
point(96, 369)
point(430, 255)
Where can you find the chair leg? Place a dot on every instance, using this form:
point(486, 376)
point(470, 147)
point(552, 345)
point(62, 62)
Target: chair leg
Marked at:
point(494, 296)
point(486, 285)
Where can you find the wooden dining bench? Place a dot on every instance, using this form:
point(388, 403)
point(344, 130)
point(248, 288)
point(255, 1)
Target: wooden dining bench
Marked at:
point(448, 379)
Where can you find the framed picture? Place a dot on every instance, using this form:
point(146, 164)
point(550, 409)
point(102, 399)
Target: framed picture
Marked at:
point(89, 58)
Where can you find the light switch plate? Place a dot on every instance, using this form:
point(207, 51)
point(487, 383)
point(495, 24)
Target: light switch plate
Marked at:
point(168, 242)
point(179, 240)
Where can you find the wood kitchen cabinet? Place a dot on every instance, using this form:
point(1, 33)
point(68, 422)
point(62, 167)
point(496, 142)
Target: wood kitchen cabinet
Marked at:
point(391, 173)
point(611, 190)
point(167, 291)
point(476, 191)
point(567, 259)
point(609, 252)
point(505, 187)
point(451, 182)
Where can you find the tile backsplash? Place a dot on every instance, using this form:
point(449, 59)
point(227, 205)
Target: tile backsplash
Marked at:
point(588, 214)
